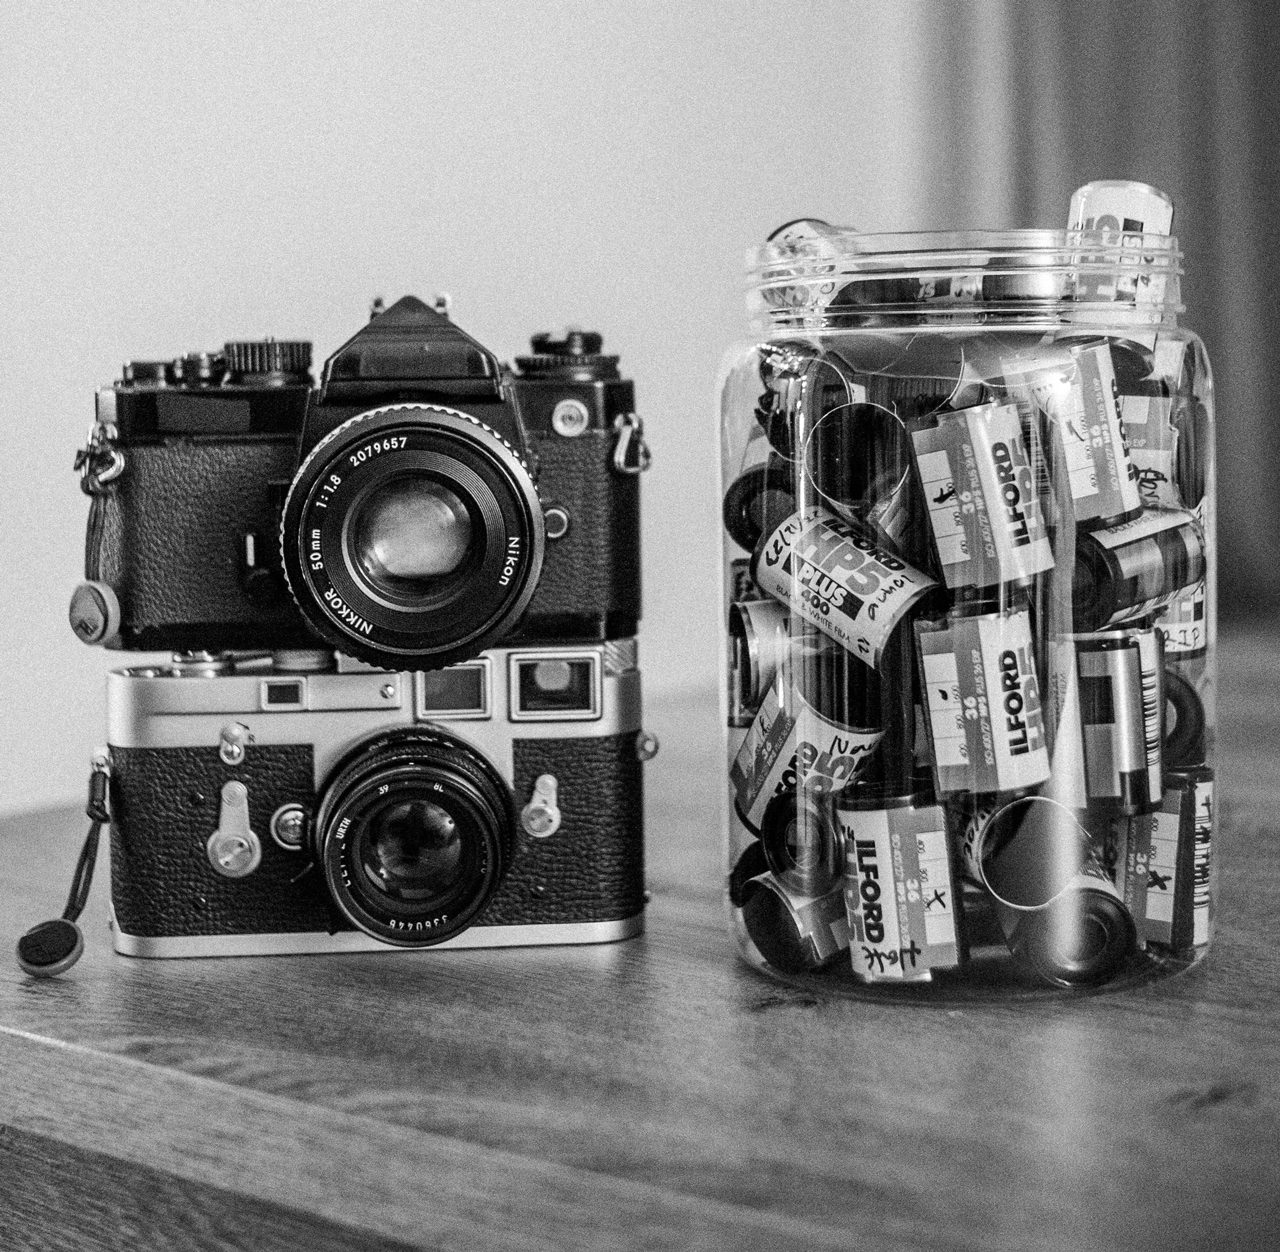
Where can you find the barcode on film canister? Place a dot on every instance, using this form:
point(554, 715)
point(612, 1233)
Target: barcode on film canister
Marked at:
point(1162, 863)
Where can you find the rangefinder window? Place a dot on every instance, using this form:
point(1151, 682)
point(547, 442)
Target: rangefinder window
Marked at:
point(459, 691)
point(552, 686)
point(287, 693)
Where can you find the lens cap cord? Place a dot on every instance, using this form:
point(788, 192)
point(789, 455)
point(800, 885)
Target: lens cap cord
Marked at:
point(53, 947)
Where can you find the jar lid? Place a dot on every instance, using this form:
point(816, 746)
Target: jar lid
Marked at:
point(839, 277)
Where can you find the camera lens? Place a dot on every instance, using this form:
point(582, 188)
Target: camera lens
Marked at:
point(414, 850)
point(414, 833)
point(410, 532)
point(412, 537)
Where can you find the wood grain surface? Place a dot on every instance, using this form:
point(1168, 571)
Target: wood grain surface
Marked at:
point(651, 1094)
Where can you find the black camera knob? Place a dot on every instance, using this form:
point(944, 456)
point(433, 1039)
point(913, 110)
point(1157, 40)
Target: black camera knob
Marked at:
point(198, 369)
point(271, 361)
point(576, 356)
point(575, 343)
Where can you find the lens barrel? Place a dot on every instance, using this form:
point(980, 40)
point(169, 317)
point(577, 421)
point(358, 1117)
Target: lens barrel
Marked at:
point(412, 537)
point(414, 833)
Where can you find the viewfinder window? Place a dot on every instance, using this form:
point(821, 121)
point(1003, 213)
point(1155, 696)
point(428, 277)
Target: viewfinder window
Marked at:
point(551, 686)
point(282, 693)
point(459, 691)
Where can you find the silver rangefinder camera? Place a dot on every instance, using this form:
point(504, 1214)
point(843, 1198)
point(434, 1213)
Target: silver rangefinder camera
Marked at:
point(296, 803)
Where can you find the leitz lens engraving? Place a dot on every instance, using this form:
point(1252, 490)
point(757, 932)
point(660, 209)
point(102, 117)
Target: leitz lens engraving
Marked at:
point(831, 574)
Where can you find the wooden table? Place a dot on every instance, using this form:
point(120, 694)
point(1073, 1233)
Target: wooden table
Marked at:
point(650, 1094)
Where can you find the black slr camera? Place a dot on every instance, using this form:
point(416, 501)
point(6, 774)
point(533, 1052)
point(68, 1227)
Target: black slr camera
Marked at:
point(466, 536)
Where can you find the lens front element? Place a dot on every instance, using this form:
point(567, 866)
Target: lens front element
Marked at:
point(414, 851)
point(414, 833)
point(412, 537)
point(408, 533)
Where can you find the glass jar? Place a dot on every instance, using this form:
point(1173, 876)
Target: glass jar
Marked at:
point(969, 613)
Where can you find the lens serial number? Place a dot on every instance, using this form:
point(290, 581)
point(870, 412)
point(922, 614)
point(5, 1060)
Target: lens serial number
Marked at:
point(389, 444)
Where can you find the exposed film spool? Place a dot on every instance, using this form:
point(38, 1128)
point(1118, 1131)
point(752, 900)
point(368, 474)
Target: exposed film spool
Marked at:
point(1132, 571)
point(1121, 684)
point(1062, 916)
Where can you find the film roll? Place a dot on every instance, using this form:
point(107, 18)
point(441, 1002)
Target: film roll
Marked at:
point(982, 703)
point(1061, 914)
point(1132, 571)
point(979, 487)
point(830, 573)
point(899, 890)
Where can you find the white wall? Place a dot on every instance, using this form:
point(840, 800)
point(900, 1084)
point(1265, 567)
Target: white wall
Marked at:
point(177, 175)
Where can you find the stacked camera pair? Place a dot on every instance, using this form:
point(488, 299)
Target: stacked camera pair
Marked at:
point(404, 701)
point(968, 610)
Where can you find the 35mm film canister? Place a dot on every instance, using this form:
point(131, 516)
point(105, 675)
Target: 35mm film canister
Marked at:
point(1128, 572)
point(830, 573)
point(980, 491)
point(982, 703)
point(1121, 212)
point(1061, 914)
point(793, 932)
point(854, 456)
point(1069, 391)
point(798, 738)
point(759, 636)
point(800, 844)
point(1163, 863)
point(1121, 684)
point(900, 896)
point(757, 501)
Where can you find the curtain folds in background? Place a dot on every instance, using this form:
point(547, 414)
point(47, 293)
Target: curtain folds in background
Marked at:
point(1035, 97)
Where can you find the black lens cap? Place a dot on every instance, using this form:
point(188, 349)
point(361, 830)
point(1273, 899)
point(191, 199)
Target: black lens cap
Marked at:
point(50, 948)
